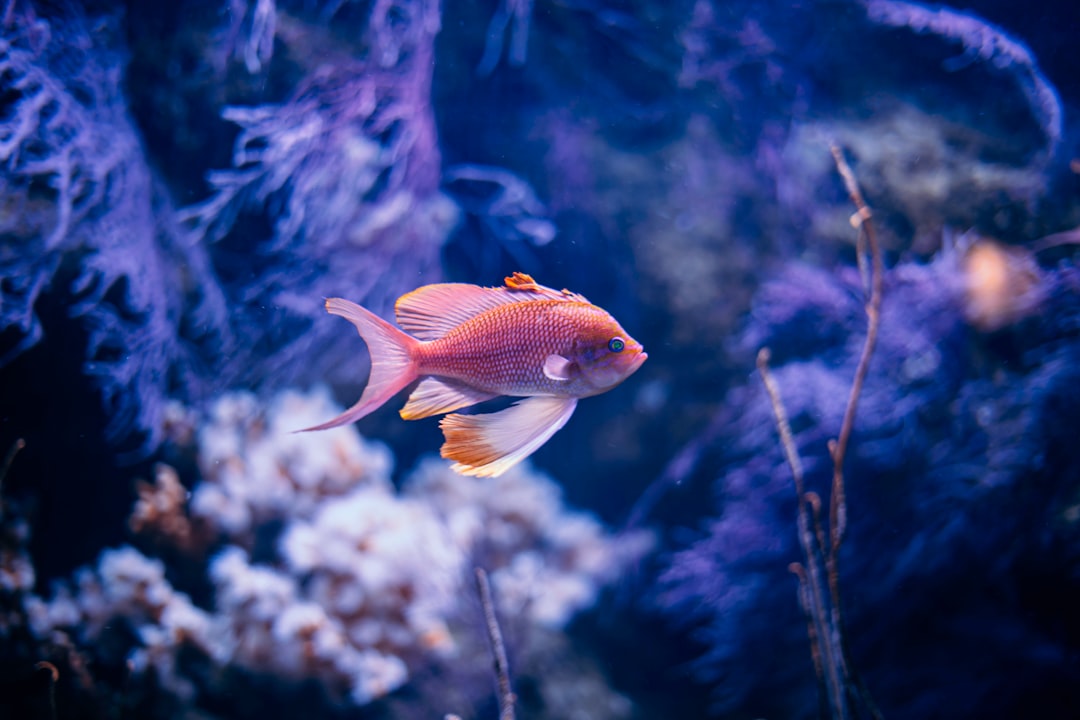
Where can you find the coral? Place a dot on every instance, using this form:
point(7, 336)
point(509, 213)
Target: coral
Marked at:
point(329, 140)
point(258, 469)
point(506, 206)
point(366, 586)
point(346, 175)
point(687, 211)
point(16, 569)
point(128, 585)
point(17, 574)
point(942, 443)
point(929, 172)
point(253, 32)
point(728, 54)
point(77, 190)
point(162, 509)
point(519, 12)
point(271, 625)
point(545, 562)
point(988, 43)
point(675, 152)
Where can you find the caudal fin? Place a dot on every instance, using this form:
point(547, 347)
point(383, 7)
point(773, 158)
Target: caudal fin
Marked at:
point(392, 360)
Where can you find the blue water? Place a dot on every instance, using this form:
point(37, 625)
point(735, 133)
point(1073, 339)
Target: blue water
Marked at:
point(182, 188)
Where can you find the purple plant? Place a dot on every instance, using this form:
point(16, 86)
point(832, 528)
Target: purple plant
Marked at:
point(346, 177)
point(985, 42)
point(80, 194)
point(956, 462)
point(252, 32)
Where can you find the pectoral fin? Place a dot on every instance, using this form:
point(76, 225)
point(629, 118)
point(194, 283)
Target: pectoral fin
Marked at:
point(488, 445)
point(556, 367)
point(435, 396)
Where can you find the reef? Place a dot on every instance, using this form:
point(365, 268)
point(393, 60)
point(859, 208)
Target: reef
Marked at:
point(309, 566)
point(182, 187)
point(955, 458)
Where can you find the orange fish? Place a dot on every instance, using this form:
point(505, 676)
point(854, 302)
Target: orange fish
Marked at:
point(470, 344)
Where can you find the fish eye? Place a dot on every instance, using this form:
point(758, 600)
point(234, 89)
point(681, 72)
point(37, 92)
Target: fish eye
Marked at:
point(616, 344)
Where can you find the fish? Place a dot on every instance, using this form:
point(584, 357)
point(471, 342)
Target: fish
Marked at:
point(467, 344)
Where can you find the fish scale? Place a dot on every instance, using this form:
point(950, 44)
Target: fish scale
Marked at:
point(503, 350)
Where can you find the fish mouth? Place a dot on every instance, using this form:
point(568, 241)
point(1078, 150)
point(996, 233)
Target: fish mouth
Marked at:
point(641, 358)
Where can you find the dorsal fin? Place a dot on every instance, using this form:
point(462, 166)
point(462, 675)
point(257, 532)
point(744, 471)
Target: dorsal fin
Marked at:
point(431, 311)
point(520, 282)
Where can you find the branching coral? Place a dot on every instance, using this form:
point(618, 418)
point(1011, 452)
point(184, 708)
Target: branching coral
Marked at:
point(988, 43)
point(77, 190)
point(939, 448)
point(839, 686)
point(253, 32)
point(346, 174)
point(258, 469)
point(519, 13)
point(366, 586)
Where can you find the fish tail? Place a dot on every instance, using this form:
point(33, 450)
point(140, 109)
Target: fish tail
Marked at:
point(393, 360)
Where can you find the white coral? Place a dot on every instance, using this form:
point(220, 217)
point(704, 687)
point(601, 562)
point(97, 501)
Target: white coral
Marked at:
point(130, 585)
point(545, 562)
point(374, 556)
point(259, 468)
point(366, 583)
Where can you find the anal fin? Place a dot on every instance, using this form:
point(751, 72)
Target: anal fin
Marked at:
point(490, 444)
point(435, 396)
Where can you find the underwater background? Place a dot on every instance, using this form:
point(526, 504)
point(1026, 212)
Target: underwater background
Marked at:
point(184, 183)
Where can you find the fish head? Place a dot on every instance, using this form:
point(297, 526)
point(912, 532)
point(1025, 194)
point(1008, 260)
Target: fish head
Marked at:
point(605, 354)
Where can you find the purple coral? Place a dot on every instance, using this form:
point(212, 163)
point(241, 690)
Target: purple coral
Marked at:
point(81, 194)
point(346, 174)
point(939, 449)
point(988, 43)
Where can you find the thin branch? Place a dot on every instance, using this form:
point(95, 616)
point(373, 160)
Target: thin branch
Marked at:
point(837, 680)
point(862, 221)
point(10, 458)
point(498, 650)
point(827, 656)
point(806, 603)
point(54, 677)
point(783, 426)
